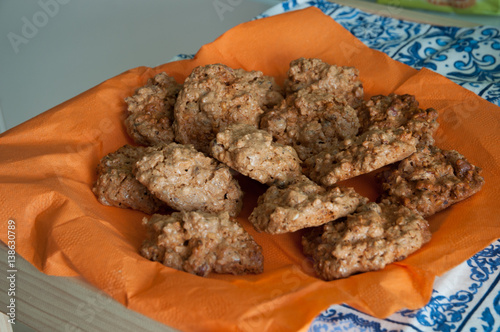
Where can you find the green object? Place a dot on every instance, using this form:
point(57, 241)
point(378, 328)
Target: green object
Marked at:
point(483, 7)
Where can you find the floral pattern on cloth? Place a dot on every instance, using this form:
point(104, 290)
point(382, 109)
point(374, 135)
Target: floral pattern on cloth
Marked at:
point(467, 297)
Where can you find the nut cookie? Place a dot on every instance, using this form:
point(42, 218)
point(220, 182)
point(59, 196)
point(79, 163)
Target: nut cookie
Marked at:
point(368, 240)
point(310, 121)
point(150, 111)
point(117, 186)
point(363, 154)
point(340, 81)
point(188, 180)
point(302, 204)
point(394, 111)
point(253, 153)
point(200, 243)
point(431, 180)
point(215, 96)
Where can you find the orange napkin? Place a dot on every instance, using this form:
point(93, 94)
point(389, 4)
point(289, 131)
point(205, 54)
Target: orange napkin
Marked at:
point(47, 168)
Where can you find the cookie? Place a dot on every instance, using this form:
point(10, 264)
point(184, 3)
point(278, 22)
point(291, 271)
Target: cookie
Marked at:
point(363, 154)
point(253, 153)
point(395, 111)
point(311, 120)
point(215, 96)
point(116, 184)
point(188, 180)
point(374, 236)
point(150, 111)
point(340, 81)
point(431, 180)
point(302, 204)
point(200, 243)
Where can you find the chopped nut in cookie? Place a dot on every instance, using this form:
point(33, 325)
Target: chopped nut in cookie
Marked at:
point(431, 180)
point(200, 243)
point(368, 240)
point(302, 204)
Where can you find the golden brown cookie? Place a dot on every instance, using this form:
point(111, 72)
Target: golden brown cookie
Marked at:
point(215, 96)
point(200, 243)
point(394, 111)
point(150, 111)
point(339, 81)
point(363, 154)
point(368, 240)
point(431, 180)
point(302, 204)
point(311, 120)
point(253, 153)
point(117, 186)
point(188, 180)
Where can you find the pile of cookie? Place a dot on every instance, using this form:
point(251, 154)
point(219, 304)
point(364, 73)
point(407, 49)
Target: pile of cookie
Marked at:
point(300, 141)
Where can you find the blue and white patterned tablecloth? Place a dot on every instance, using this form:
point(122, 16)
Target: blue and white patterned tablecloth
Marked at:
point(466, 298)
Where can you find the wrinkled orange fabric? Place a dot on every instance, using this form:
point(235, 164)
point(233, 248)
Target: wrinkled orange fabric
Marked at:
point(48, 163)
